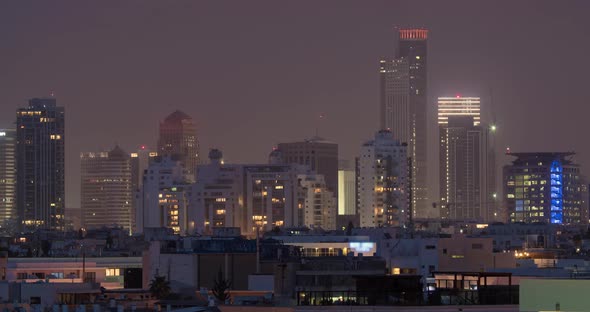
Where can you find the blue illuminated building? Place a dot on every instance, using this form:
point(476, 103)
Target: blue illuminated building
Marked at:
point(556, 192)
point(545, 187)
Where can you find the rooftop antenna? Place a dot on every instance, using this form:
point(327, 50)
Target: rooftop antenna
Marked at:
point(52, 93)
point(492, 113)
point(317, 132)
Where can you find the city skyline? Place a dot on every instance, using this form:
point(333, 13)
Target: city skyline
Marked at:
point(496, 51)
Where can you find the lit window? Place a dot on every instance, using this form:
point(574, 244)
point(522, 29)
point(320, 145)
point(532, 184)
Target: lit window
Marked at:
point(113, 272)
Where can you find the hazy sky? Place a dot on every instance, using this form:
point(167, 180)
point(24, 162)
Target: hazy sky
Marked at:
point(255, 73)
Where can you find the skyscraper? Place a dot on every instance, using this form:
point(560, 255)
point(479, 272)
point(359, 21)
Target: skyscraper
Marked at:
point(106, 190)
point(178, 139)
point(395, 98)
point(383, 194)
point(545, 187)
point(40, 164)
point(7, 174)
point(320, 155)
point(467, 186)
point(404, 108)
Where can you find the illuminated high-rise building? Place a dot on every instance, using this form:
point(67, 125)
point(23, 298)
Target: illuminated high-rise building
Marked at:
point(7, 174)
point(106, 191)
point(467, 166)
point(319, 203)
point(40, 159)
point(382, 175)
point(459, 106)
point(404, 109)
point(178, 140)
point(545, 187)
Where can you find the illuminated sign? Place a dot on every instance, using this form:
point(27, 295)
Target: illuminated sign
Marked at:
point(2, 133)
point(361, 246)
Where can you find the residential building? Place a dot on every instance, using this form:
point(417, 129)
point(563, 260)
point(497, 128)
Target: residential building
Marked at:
point(383, 192)
point(40, 160)
point(178, 140)
point(319, 206)
point(217, 198)
point(259, 197)
point(164, 197)
point(106, 190)
point(7, 175)
point(545, 187)
point(140, 161)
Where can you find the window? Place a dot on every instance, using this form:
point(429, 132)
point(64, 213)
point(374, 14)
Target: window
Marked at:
point(21, 275)
point(113, 272)
point(476, 246)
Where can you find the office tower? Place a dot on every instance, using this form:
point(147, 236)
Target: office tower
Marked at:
point(346, 189)
point(319, 206)
point(404, 109)
point(106, 191)
point(319, 154)
point(164, 197)
point(140, 160)
point(7, 175)
point(467, 165)
point(459, 106)
point(395, 98)
point(178, 140)
point(545, 187)
point(383, 195)
point(40, 190)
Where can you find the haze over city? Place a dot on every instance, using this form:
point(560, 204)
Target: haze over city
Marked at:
point(252, 74)
point(241, 156)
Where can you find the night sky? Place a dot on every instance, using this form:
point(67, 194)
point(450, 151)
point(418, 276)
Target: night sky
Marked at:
point(255, 73)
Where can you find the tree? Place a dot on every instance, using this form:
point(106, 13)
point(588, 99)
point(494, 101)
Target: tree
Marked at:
point(160, 287)
point(349, 228)
point(221, 287)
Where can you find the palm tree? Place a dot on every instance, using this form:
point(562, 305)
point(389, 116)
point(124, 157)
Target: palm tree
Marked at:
point(160, 287)
point(221, 287)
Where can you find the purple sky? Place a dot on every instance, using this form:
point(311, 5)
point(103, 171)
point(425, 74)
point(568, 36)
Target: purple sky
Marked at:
point(254, 73)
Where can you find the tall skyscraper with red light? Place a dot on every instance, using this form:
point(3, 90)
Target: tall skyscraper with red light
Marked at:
point(404, 109)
